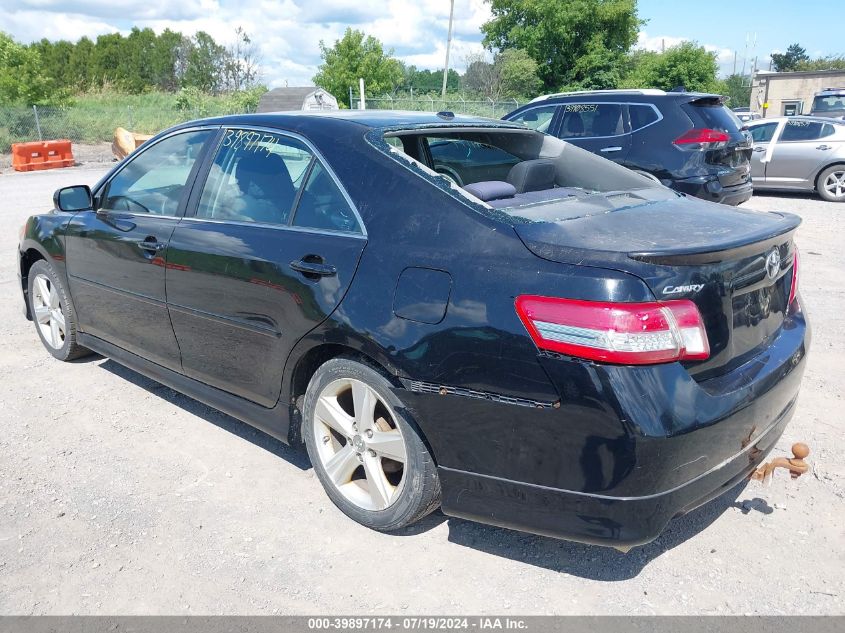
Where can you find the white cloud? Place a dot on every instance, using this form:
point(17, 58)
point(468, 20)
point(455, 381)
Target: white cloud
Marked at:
point(287, 32)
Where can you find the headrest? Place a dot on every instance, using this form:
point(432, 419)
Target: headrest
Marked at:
point(533, 175)
point(491, 190)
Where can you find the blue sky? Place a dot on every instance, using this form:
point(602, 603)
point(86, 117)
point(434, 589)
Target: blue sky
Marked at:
point(288, 31)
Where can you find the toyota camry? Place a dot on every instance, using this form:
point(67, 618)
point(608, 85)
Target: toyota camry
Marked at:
point(557, 345)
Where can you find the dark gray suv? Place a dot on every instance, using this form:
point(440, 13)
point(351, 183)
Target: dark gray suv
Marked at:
point(688, 141)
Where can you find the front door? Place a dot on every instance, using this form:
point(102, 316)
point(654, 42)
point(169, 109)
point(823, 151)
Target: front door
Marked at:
point(762, 136)
point(266, 252)
point(116, 253)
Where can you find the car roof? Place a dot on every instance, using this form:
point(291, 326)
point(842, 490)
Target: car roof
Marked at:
point(366, 118)
point(624, 92)
point(797, 117)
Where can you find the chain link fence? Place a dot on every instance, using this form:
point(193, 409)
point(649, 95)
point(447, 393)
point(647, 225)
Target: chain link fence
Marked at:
point(458, 105)
point(91, 124)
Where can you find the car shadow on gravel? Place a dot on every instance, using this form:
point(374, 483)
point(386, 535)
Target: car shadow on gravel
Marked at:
point(209, 414)
point(588, 561)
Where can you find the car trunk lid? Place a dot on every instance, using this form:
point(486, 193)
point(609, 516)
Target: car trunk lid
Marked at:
point(719, 257)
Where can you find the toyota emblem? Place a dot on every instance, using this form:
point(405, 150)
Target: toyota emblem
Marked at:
point(773, 263)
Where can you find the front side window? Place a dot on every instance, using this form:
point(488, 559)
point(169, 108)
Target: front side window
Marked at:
point(763, 133)
point(255, 177)
point(589, 120)
point(799, 130)
point(539, 118)
point(154, 181)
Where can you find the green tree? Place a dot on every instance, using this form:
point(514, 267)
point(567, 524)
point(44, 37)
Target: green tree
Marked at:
point(79, 68)
point(831, 62)
point(559, 33)
point(738, 90)
point(355, 56)
point(205, 64)
point(106, 59)
point(22, 79)
point(788, 61)
point(687, 64)
point(512, 73)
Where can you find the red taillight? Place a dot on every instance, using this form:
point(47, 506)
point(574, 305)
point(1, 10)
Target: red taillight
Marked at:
point(702, 138)
point(625, 333)
point(793, 288)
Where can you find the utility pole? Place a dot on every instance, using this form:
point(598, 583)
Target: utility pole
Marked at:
point(734, 71)
point(448, 46)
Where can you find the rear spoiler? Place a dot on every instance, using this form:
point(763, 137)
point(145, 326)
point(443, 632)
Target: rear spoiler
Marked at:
point(708, 100)
point(736, 249)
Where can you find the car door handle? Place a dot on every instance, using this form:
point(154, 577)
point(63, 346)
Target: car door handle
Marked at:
point(307, 266)
point(759, 149)
point(151, 244)
point(824, 147)
point(611, 149)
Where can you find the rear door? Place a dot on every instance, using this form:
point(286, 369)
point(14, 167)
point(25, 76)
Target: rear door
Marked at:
point(800, 153)
point(600, 128)
point(116, 253)
point(268, 249)
point(763, 136)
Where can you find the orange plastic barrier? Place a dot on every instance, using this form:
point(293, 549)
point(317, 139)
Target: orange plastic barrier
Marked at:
point(42, 155)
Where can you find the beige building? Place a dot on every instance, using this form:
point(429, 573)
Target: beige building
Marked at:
point(791, 93)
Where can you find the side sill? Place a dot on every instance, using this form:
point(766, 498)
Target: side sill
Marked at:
point(275, 422)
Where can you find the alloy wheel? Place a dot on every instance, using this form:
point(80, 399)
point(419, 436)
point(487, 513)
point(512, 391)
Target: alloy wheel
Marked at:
point(359, 444)
point(834, 184)
point(47, 309)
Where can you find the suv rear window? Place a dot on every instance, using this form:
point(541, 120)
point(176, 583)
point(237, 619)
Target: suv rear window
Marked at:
point(710, 113)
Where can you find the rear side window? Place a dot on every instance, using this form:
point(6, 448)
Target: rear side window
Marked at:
point(712, 114)
point(588, 120)
point(806, 131)
point(763, 133)
point(829, 104)
point(323, 206)
point(641, 116)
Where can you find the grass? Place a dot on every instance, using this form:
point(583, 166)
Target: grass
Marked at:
point(92, 118)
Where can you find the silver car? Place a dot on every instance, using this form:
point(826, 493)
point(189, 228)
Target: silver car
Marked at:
point(799, 153)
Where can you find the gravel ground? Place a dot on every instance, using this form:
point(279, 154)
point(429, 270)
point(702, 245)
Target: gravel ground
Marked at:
point(120, 496)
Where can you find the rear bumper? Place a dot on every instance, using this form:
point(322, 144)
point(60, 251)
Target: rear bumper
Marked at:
point(594, 518)
point(709, 188)
point(626, 449)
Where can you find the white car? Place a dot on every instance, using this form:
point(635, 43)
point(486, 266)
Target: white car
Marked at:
point(799, 153)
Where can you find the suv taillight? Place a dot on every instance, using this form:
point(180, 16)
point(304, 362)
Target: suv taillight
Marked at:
point(793, 288)
point(701, 139)
point(624, 333)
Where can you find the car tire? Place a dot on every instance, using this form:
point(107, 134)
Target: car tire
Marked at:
point(52, 313)
point(831, 183)
point(357, 432)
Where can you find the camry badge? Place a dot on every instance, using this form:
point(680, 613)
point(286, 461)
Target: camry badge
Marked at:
point(773, 263)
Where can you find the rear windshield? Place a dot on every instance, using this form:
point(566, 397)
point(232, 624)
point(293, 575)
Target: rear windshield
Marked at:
point(829, 104)
point(523, 173)
point(712, 114)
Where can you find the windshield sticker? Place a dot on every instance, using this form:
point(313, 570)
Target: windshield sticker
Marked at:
point(581, 107)
point(250, 141)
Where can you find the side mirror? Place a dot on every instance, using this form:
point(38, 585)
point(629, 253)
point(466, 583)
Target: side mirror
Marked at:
point(76, 198)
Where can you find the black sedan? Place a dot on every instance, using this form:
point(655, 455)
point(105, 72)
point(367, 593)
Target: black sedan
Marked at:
point(569, 348)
